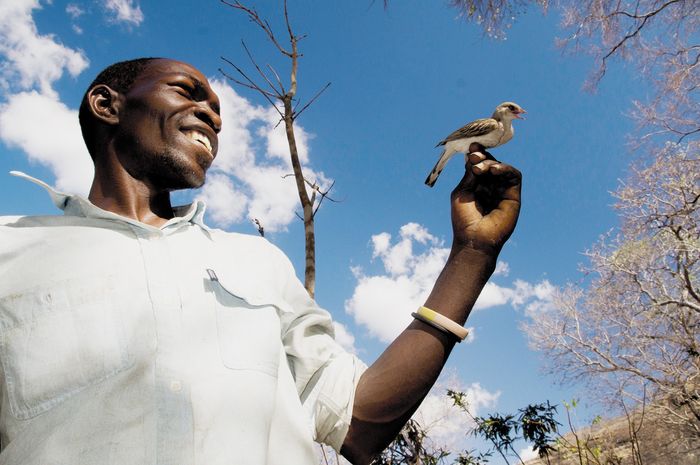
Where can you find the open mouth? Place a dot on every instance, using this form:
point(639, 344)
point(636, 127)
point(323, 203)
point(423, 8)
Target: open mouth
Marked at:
point(201, 138)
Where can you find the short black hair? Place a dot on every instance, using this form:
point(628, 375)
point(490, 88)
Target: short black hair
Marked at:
point(119, 77)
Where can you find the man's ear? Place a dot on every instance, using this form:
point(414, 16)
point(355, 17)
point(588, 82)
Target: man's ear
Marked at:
point(105, 103)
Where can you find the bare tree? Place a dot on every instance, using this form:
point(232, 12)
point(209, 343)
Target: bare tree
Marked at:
point(494, 16)
point(635, 329)
point(283, 99)
point(660, 39)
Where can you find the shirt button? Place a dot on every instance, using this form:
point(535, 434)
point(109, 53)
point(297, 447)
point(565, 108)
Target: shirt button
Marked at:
point(175, 386)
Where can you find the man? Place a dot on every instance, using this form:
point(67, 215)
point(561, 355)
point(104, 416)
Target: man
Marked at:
point(131, 333)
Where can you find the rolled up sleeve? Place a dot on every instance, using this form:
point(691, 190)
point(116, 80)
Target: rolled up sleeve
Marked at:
point(324, 373)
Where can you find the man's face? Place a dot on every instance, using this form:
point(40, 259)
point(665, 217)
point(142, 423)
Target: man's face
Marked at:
point(168, 125)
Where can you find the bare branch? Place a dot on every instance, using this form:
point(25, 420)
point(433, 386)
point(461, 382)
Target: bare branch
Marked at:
point(632, 34)
point(264, 25)
point(278, 93)
point(259, 226)
point(318, 94)
point(251, 84)
point(279, 81)
point(324, 195)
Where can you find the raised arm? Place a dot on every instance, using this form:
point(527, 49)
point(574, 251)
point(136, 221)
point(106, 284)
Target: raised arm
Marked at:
point(485, 207)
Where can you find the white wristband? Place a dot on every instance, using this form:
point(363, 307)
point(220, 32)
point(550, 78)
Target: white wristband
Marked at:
point(458, 330)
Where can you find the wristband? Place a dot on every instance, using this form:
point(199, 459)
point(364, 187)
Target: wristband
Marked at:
point(459, 331)
point(432, 323)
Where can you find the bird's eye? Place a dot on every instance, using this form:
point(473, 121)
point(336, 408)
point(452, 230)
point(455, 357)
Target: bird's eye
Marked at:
point(511, 107)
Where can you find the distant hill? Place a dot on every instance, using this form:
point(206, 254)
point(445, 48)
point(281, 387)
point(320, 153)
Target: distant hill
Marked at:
point(657, 443)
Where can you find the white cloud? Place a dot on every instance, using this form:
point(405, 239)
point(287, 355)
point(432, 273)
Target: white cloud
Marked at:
point(273, 198)
point(124, 11)
point(276, 139)
point(49, 133)
point(254, 151)
point(34, 119)
point(32, 59)
point(471, 337)
point(527, 453)
point(225, 204)
point(74, 10)
point(502, 269)
point(446, 424)
point(344, 337)
point(383, 302)
point(535, 295)
point(235, 140)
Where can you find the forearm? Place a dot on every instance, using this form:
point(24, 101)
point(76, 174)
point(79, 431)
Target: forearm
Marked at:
point(393, 387)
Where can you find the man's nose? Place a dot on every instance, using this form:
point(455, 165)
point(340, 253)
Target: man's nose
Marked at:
point(207, 114)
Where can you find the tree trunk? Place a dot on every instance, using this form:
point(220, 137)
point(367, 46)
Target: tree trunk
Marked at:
point(306, 203)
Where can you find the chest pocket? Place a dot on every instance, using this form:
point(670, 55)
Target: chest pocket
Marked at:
point(58, 340)
point(248, 333)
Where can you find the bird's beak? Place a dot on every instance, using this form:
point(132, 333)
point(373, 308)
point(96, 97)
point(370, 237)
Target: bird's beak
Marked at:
point(517, 115)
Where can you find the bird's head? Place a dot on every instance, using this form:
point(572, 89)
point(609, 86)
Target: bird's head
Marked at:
point(508, 110)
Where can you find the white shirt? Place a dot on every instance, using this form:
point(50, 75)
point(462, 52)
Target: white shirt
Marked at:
point(126, 344)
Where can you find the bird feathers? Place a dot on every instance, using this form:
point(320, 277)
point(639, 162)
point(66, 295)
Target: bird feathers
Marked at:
point(437, 169)
point(476, 128)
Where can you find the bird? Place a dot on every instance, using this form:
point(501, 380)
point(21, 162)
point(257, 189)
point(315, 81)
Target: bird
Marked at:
point(489, 132)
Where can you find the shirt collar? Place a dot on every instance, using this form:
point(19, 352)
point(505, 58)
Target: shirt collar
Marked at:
point(76, 205)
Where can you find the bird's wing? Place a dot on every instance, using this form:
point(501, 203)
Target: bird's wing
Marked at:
point(476, 128)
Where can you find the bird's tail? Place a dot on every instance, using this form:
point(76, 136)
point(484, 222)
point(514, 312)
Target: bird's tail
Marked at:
point(437, 169)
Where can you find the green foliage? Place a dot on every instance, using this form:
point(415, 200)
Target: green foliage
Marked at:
point(500, 430)
point(409, 448)
point(471, 457)
point(539, 426)
point(533, 424)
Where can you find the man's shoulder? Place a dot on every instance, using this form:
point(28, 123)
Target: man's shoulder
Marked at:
point(30, 221)
point(249, 246)
point(250, 242)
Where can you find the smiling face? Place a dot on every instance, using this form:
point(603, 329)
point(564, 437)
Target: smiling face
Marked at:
point(168, 124)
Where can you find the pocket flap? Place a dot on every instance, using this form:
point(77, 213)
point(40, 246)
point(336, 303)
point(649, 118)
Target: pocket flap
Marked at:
point(248, 291)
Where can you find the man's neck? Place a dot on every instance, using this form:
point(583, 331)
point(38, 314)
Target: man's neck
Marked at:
point(116, 191)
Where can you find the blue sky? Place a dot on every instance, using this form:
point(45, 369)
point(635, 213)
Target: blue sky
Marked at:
point(402, 79)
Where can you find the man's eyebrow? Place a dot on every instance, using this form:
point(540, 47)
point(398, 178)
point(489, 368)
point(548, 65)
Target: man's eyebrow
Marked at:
point(196, 81)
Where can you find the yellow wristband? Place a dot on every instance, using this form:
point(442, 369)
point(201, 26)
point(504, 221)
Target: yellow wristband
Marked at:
point(431, 315)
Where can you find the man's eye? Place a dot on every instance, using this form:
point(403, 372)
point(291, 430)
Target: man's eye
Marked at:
point(184, 89)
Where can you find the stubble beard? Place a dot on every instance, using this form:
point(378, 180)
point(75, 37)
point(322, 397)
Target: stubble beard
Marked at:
point(171, 173)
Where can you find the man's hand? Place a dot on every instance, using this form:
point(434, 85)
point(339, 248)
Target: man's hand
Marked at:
point(486, 203)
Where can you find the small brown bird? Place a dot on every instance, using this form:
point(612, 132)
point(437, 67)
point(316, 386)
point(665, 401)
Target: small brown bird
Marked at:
point(489, 132)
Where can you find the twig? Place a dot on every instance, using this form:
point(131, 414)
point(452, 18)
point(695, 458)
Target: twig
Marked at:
point(252, 60)
point(259, 225)
point(264, 25)
point(318, 94)
point(253, 85)
point(279, 81)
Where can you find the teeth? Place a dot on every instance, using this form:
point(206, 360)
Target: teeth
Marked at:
point(199, 137)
